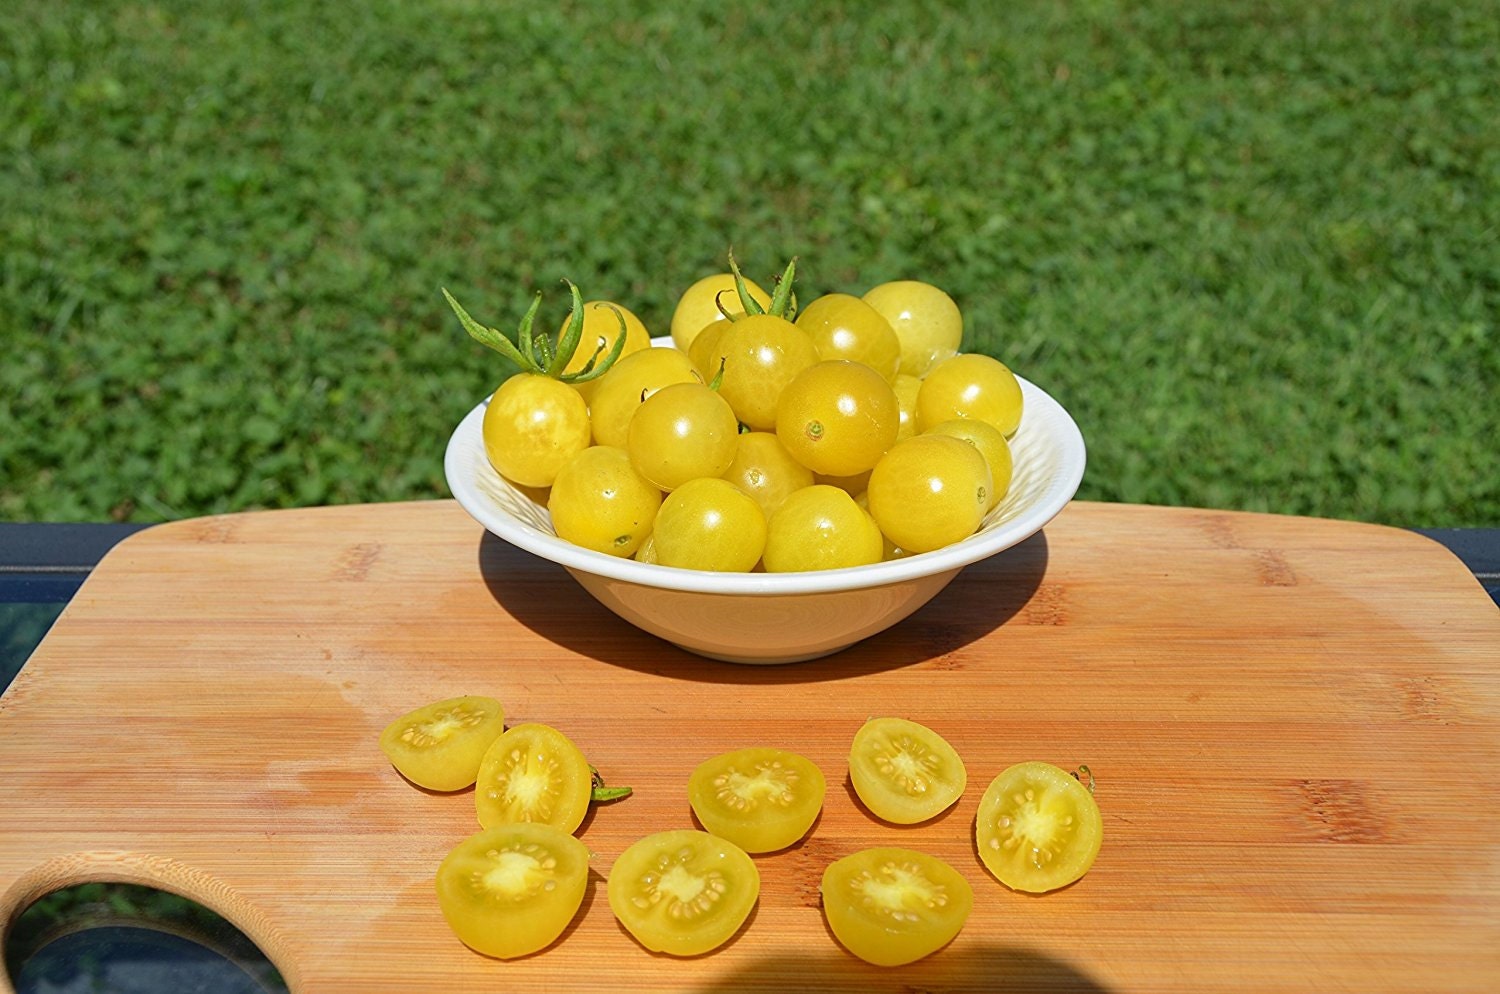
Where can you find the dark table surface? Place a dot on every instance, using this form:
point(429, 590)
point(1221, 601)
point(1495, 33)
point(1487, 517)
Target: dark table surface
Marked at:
point(130, 940)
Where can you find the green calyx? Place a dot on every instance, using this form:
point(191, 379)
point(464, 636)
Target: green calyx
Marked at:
point(783, 300)
point(534, 351)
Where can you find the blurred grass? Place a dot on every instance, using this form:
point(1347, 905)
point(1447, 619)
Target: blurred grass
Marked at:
point(1253, 247)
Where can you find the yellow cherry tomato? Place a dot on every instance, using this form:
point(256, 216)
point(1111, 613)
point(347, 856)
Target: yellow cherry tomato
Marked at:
point(533, 773)
point(838, 417)
point(511, 890)
point(601, 327)
point(906, 388)
point(709, 524)
point(600, 502)
point(533, 425)
point(698, 307)
point(904, 772)
point(929, 491)
point(682, 432)
point(761, 354)
point(926, 321)
point(683, 892)
point(626, 386)
point(765, 470)
point(971, 385)
point(890, 906)
point(842, 326)
point(820, 527)
point(1038, 828)
point(440, 745)
point(991, 444)
point(761, 799)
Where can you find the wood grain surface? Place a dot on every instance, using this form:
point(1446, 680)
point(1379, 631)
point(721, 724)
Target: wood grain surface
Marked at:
point(1294, 723)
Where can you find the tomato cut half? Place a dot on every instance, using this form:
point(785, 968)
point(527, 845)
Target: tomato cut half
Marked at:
point(533, 773)
point(890, 906)
point(511, 890)
point(904, 772)
point(683, 892)
point(440, 745)
point(761, 799)
point(1038, 828)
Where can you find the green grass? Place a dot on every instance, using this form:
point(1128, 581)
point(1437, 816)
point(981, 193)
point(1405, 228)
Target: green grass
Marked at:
point(1253, 247)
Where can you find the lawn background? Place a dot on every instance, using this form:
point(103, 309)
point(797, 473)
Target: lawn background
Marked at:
point(1254, 247)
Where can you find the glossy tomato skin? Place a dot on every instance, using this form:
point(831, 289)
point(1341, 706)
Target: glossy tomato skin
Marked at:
point(532, 426)
point(618, 393)
point(906, 388)
point(765, 470)
point(1038, 828)
point(600, 502)
point(971, 385)
point(903, 771)
point(761, 799)
point(838, 417)
point(761, 353)
point(533, 773)
point(929, 491)
point(891, 906)
point(601, 326)
point(440, 745)
point(926, 320)
point(682, 432)
point(991, 444)
point(698, 307)
point(709, 524)
point(842, 326)
point(820, 527)
point(511, 890)
point(683, 892)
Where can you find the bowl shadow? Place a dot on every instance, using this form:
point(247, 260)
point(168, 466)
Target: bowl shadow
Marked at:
point(544, 597)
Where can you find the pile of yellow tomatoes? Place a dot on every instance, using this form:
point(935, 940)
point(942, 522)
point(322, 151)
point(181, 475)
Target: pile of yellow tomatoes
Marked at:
point(763, 438)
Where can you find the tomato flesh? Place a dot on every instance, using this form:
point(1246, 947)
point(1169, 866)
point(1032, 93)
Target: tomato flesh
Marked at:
point(533, 773)
point(761, 799)
point(440, 745)
point(683, 892)
point(1038, 828)
point(891, 906)
point(512, 890)
point(904, 772)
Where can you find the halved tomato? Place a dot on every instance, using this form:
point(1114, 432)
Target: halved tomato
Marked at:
point(683, 892)
point(439, 746)
point(904, 772)
point(760, 799)
point(511, 890)
point(890, 906)
point(1038, 828)
point(533, 773)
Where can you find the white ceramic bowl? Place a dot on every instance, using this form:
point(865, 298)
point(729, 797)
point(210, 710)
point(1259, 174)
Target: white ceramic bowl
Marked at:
point(779, 617)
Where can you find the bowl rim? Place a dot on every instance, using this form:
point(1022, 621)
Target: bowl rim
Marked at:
point(460, 457)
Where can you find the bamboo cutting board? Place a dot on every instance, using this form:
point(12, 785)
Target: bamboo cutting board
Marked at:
point(1294, 723)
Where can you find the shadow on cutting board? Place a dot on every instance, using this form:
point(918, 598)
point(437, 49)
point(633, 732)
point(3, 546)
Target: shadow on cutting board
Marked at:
point(987, 970)
point(543, 597)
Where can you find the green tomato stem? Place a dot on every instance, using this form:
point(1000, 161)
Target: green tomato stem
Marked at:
point(572, 334)
point(533, 351)
point(602, 794)
point(485, 336)
point(749, 303)
point(783, 304)
point(595, 368)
